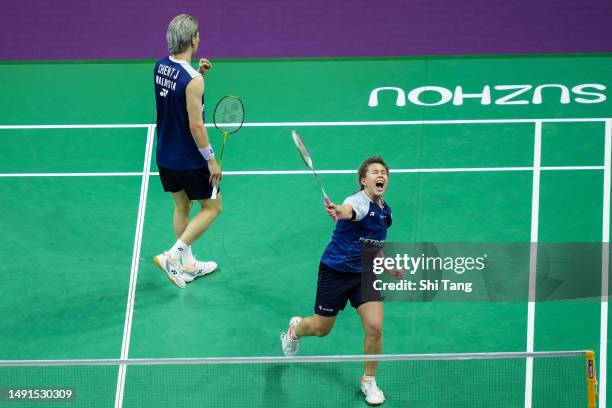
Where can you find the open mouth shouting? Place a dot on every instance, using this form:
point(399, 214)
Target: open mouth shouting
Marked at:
point(375, 180)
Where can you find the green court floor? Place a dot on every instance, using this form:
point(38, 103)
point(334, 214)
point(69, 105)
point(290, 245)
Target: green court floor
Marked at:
point(83, 213)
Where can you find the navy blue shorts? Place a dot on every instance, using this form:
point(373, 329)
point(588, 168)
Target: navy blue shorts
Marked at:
point(335, 288)
point(194, 182)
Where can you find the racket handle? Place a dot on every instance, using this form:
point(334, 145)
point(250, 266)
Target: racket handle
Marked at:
point(328, 201)
point(213, 196)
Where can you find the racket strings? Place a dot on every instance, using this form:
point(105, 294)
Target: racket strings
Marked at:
point(229, 114)
point(299, 143)
point(228, 118)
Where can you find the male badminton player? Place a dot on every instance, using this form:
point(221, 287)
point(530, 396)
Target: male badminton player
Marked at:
point(185, 158)
point(363, 217)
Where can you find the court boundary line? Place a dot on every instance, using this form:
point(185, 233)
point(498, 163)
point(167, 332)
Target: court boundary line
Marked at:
point(605, 272)
point(308, 172)
point(319, 123)
point(101, 174)
point(129, 312)
point(533, 260)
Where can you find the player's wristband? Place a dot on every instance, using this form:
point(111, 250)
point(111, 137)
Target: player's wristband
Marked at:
point(207, 152)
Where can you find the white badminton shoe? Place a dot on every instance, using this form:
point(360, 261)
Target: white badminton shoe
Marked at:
point(197, 269)
point(172, 267)
point(373, 394)
point(290, 342)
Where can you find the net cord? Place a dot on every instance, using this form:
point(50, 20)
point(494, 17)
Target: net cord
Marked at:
point(292, 360)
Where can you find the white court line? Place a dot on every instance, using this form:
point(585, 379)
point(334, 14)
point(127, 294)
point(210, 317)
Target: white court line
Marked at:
point(533, 260)
point(307, 172)
point(338, 123)
point(395, 171)
point(129, 310)
point(118, 174)
point(605, 272)
point(84, 126)
point(412, 122)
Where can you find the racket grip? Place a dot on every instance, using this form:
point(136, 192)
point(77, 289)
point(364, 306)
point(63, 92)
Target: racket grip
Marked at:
point(213, 196)
point(328, 201)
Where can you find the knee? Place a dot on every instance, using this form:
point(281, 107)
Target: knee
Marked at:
point(214, 209)
point(184, 207)
point(374, 330)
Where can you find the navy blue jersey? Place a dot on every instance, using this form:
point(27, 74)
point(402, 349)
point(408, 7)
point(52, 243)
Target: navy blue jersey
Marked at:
point(369, 227)
point(176, 148)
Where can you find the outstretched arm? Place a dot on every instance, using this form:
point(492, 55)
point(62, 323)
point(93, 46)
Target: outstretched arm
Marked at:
point(343, 212)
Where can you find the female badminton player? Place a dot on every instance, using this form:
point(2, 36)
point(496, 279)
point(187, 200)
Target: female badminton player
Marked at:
point(363, 218)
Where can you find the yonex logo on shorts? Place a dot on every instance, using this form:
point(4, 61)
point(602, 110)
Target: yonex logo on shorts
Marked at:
point(325, 309)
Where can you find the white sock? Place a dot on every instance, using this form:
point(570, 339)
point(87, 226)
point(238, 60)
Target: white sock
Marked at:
point(188, 257)
point(368, 378)
point(179, 250)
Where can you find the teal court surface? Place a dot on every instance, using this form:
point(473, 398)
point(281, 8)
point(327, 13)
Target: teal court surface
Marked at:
point(481, 149)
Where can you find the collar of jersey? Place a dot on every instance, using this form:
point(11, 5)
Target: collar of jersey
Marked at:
point(370, 200)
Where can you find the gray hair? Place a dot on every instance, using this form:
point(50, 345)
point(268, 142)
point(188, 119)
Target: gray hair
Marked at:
point(180, 31)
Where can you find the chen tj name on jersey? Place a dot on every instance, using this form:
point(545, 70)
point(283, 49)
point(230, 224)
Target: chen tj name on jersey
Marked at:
point(166, 76)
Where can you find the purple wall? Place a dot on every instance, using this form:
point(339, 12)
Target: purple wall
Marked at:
point(113, 29)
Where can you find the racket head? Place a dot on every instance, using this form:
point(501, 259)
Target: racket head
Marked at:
point(228, 116)
point(302, 149)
